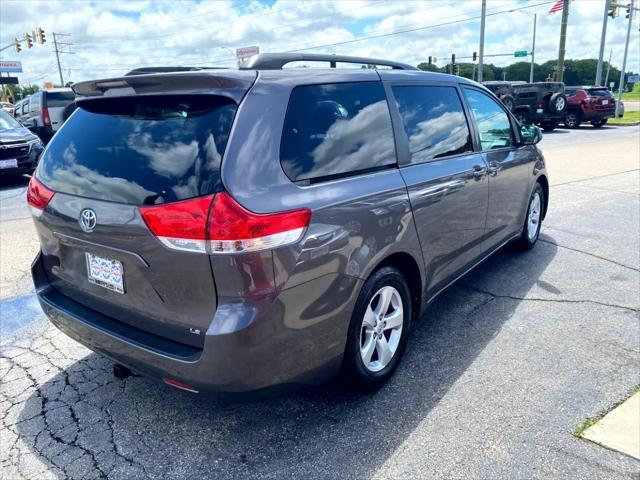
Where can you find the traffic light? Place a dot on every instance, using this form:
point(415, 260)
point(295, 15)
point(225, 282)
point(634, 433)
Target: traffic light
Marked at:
point(453, 58)
point(475, 56)
point(430, 60)
point(613, 10)
point(40, 36)
point(17, 46)
point(628, 11)
point(28, 40)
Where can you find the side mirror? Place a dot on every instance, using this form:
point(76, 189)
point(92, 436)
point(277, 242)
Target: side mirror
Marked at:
point(530, 134)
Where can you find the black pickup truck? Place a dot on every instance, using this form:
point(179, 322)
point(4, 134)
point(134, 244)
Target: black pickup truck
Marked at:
point(540, 103)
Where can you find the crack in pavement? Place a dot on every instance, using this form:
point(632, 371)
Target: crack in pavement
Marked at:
point(58, 435)
point(549, 300)
point(594, 178)
point(587, 253)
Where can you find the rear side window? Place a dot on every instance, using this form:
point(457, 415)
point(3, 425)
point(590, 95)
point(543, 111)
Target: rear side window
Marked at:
point(25, 107)
point(34, 102)
point(493, 122)
point(59, 99)
point(434, 122)
point(336, 129)
point(145, 150)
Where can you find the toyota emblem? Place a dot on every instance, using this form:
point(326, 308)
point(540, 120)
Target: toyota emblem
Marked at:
point(87, 220)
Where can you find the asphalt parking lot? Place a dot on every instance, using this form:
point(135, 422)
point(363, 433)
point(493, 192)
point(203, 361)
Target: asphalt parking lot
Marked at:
point(499, 373)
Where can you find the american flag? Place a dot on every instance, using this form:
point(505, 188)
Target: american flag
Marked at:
point(557, 6)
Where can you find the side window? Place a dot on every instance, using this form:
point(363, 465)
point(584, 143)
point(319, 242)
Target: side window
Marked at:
point(434, 121)
point(492, 121)
point(25, 107)
point(336, 129)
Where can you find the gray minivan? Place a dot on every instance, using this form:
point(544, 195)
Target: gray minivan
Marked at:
point(234, 230)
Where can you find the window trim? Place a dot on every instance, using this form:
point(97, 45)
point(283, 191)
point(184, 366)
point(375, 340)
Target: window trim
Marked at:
point(402, 140)
point(515, 138)
point(343, 175)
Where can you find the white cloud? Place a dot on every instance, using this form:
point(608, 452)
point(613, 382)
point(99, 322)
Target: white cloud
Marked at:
point(112, 37)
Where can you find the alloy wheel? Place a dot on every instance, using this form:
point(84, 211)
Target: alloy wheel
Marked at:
point(533, 224)
point(381, 329)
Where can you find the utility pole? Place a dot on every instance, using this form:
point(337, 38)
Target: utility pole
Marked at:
point(481, 56)
point(55, 45)
point(624, 60)
point(563, 39)
point(603, 36)
point(606, 78)
point(533, 47)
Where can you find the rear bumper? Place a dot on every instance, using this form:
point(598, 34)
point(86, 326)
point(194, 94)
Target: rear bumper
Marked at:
point(248, 348)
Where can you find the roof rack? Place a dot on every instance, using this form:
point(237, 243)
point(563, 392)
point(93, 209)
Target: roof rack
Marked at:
point(275, 61)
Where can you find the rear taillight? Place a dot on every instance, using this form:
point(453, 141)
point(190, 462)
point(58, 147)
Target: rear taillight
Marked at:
point(46, 119)
point(38, 196)
point(218, 224)
point(180, 225)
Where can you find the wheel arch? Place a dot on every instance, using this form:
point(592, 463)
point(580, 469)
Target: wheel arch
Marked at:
point(407, 265)
point(544, 183)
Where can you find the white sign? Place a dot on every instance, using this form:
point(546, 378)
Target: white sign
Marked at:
point(246, 52)
point(10, 66)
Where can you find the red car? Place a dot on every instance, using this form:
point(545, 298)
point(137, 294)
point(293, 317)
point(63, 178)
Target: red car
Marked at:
point(589, 104)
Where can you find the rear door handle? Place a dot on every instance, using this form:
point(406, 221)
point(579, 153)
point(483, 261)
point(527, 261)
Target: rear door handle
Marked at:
point(479, 171)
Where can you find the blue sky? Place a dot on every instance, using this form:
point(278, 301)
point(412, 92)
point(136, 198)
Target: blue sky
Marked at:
point(111, 37)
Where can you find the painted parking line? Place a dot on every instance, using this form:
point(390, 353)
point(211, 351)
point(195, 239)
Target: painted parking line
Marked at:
point(17, 314)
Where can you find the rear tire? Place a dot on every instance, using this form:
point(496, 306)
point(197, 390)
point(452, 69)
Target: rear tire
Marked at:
point(572, 119)
point(549, 126)
point(599, 123)
point(376, 338)
point(532, 220)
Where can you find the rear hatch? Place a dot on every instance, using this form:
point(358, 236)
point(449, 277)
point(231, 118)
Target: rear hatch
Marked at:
point(601, 99)
point(114, 157)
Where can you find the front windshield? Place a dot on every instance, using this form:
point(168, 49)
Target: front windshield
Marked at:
point(7, 122)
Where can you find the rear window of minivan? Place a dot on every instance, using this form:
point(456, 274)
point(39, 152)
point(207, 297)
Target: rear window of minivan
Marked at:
point(337, 129)
point(599, 92)
point(140, 150)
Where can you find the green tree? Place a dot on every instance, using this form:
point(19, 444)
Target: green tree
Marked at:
point(429, 67)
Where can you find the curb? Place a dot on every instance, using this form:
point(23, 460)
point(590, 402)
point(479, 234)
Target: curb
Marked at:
point(624, 124)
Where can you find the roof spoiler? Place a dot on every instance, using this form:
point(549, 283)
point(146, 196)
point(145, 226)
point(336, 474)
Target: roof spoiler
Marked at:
point(232, 83)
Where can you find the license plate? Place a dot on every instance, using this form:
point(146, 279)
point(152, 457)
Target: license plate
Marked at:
point(105, 272)
point(605, 102)
point(10, 163)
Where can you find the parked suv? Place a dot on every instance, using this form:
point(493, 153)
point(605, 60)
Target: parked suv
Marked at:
point(48, 110)
point(19, 148)
point(232, 230)
point(540, 103)
point(589, 104)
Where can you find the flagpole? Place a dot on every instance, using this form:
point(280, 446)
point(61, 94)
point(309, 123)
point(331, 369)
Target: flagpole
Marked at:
point(563, 38)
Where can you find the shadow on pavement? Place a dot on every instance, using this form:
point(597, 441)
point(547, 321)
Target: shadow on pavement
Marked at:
point(151, 430)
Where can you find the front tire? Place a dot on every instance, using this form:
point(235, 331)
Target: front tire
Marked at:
point(379, 329)
point(533, 219)
point(549, 126)
point(522, 118)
